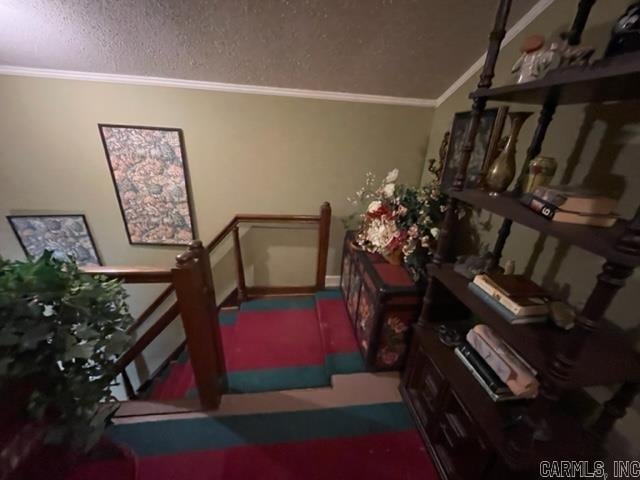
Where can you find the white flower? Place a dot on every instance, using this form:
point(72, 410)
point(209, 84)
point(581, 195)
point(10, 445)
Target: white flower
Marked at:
point(392, 176)
point(424, 241)
point(435, 232)
point(374, 206)
point(389, 189)
point(413, 231)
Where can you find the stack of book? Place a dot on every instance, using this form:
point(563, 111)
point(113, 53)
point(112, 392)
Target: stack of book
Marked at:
point(516, 298)
point(501, 372)
point(567, 204)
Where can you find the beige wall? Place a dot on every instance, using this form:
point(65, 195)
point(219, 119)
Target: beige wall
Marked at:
point(246, 153)
point(605, 143)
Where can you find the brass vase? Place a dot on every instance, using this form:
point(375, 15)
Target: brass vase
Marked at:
point(503, 169)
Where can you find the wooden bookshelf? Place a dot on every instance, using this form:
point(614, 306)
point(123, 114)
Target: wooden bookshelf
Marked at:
point(609, 80)
point(599, 241)
point(537, 343)
point(470, 436)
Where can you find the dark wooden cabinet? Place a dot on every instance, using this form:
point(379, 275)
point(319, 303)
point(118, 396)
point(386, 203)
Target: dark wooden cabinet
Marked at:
point(383, 302)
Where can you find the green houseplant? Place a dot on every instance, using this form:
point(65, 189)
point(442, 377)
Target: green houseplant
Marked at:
point(60, 333)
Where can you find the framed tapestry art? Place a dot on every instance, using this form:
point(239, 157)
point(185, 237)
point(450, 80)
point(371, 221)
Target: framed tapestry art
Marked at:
point(65, 235)
point(486, 144)
point(149, 171)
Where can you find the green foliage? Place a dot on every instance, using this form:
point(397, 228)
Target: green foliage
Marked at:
point(60, 333)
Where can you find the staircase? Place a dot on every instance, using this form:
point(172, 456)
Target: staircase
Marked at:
point(276, 343)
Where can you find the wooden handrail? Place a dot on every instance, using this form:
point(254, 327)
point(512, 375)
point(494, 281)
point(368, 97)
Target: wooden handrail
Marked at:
point(132, 274)
point(222, 235)
point(266, 218)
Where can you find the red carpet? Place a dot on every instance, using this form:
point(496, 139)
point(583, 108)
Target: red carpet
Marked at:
point(375, 441)
point(275, 339)
point(276, 343)
point(397, 456)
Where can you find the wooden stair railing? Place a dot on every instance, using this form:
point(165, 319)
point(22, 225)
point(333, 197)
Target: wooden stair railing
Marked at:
point(192, 281)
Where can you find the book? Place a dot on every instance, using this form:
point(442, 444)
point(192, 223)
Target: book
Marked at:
point(556, 214)
point(576, 199)
point(518, 303)
point(489, 377)
point(517, 286)
point(518, 377)
point(501, 397)
point(505, 313)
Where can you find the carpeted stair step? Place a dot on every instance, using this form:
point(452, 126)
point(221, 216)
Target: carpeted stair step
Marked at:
point(358, 441)
point(341, 348)
point(276, 346)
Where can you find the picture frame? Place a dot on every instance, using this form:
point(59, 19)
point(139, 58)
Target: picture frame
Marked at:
point(150, 174)
point(65, 234)
point(486, 145)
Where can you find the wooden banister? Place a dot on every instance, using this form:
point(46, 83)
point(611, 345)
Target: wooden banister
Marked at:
point(147, 337)
point(132, 274)
point(192, 281)
point(324, 228)
point(198, 322)
point(266, 218)
point(222, 235)
point(237, 254)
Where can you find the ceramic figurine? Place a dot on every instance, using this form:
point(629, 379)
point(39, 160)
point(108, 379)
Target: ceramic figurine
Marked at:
point(533, 62)
point(625, 35)
point(471, 265)
point(573, 55)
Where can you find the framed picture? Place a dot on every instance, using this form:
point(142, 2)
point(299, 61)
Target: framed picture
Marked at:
point(65, 235)
point(149, 170)
point(486, 144)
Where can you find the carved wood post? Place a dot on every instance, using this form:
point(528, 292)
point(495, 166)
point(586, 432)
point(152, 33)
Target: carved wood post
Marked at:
point(237, 253)
point(443, 249)
point(204, 263)
point(195, 311)
point(611, 279)
point(579, 21)
point(324, 228)
point(614, 409)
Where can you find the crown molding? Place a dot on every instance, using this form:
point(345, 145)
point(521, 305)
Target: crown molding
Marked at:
point(213, 86)
point(518, 27)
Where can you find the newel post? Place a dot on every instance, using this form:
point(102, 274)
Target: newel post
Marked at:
point(200, 324)
point(324, 228)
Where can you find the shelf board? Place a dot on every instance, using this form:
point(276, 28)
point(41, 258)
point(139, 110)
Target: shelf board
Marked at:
point(538, 343)
point(608, 80)
point(494, 418)
point(600, 241)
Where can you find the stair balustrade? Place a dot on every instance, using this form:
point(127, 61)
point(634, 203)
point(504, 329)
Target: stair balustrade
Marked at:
point(191, 280)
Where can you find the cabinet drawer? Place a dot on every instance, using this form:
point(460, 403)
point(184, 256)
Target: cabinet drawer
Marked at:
point(462, 450)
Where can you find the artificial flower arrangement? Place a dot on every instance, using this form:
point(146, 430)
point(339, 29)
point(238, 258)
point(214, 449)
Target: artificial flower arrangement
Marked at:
point(399, 221)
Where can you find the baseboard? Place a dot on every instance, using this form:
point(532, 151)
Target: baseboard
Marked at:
point(332, 281)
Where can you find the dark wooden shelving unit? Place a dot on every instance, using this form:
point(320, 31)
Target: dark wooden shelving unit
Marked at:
point(539, 342)
point(469, 435)
point(600, 241)
point(609, 80)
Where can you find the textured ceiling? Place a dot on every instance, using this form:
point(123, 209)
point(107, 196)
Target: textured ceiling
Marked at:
point(402, 48)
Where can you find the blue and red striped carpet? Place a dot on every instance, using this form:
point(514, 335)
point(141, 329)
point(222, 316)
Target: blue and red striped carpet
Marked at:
point(277, 344)
point(375, 441)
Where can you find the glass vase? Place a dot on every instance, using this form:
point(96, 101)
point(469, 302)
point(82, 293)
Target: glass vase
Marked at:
point(503, 169)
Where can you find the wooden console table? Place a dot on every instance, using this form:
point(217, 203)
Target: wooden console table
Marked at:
point(382, 301)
